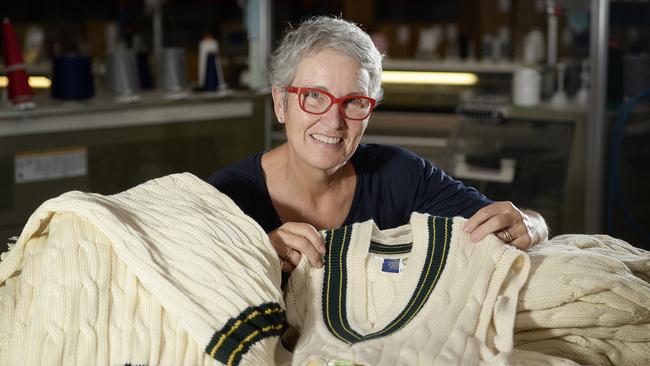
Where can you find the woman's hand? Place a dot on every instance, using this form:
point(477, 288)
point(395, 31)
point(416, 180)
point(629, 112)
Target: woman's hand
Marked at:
point(522, 229)
point(292, 240)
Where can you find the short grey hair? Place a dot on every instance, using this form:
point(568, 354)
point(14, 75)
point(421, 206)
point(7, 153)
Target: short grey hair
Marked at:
point(325, 32)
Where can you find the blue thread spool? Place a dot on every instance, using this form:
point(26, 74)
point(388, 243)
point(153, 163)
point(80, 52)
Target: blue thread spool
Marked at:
point(211, 73)
point(144, 70)
point(72, 78)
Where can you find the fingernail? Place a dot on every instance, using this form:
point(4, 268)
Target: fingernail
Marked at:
point(473, 238)
point(320, 264)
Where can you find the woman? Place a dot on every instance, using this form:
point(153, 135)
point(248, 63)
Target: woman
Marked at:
point(326, 79)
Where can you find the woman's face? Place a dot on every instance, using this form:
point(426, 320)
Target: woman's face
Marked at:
point(325, 141)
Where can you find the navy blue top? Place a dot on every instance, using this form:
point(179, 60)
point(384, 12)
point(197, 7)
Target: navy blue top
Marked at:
point(392, 182)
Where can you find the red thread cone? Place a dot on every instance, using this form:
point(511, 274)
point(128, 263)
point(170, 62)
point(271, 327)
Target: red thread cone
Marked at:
point(19, 90)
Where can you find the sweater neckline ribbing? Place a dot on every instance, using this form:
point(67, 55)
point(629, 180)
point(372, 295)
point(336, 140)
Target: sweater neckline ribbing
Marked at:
point(344, 300)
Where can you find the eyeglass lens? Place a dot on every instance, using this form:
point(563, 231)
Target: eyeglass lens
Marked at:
point(314, 101)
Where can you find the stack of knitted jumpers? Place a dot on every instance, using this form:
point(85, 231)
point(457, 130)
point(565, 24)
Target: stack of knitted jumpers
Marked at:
point(168, 273)
point(173, 273)
point(587, 298)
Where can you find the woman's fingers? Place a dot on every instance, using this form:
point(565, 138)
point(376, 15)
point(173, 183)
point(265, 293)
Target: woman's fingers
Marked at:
point(311, 234)
point(487, 220)
point(492, 225)
point(504, 220)
point(293, 240)
point(522, 242)
point(303, 246)
point(286, 266)
point(480, 217)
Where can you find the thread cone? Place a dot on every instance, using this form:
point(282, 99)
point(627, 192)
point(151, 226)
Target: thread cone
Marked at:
point(19, 90)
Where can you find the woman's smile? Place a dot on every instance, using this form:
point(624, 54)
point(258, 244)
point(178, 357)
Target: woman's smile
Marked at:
point(325, 139)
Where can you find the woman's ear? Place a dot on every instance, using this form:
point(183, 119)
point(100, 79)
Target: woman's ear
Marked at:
point(278, 103)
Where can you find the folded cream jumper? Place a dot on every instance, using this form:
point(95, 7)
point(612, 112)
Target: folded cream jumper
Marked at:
point(419, 294)
point(170, 272)
point(588, 299)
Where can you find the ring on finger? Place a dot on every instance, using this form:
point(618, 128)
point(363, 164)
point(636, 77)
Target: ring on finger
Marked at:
point(290, 253)
point(506, 236)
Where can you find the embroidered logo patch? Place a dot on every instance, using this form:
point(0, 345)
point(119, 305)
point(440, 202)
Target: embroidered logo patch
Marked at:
point(391, 265)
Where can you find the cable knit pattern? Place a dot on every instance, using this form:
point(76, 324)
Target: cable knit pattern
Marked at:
point(155, 275)
point(467, 319)
point(587, 299)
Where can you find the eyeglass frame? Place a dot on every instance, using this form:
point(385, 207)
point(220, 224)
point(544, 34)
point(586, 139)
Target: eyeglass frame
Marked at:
point(333, 100)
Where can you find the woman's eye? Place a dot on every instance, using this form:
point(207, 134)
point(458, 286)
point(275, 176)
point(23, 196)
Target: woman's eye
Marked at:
point(313, 95)
point(356, 102)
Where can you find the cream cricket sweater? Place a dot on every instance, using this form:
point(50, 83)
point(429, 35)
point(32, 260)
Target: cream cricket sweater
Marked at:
point(587, 299)
point(170, 272)
point(419, 294)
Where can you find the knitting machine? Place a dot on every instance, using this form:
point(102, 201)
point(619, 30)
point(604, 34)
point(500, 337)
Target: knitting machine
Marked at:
point(531, 156)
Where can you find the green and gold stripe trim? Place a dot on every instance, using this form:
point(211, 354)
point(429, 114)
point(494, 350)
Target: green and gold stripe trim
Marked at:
point(386, 249)
point(334, 300)
point(233, 340)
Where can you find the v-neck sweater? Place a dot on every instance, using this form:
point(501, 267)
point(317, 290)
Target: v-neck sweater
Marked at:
point(455, 304)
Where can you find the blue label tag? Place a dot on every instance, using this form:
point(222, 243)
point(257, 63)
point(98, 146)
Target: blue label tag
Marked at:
point(390, 265)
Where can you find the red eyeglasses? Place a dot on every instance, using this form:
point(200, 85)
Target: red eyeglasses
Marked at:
point(318, 101)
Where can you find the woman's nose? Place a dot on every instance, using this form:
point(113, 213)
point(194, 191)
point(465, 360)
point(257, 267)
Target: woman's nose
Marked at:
point(333, 118)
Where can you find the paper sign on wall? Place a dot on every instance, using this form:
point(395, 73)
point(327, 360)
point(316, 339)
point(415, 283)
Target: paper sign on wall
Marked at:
point(35, 166)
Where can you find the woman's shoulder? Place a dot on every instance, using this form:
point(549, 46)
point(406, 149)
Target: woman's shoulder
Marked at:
point(242, 172)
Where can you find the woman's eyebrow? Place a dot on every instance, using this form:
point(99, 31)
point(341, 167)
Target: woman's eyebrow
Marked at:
point(317, 86)
point(354, 93)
